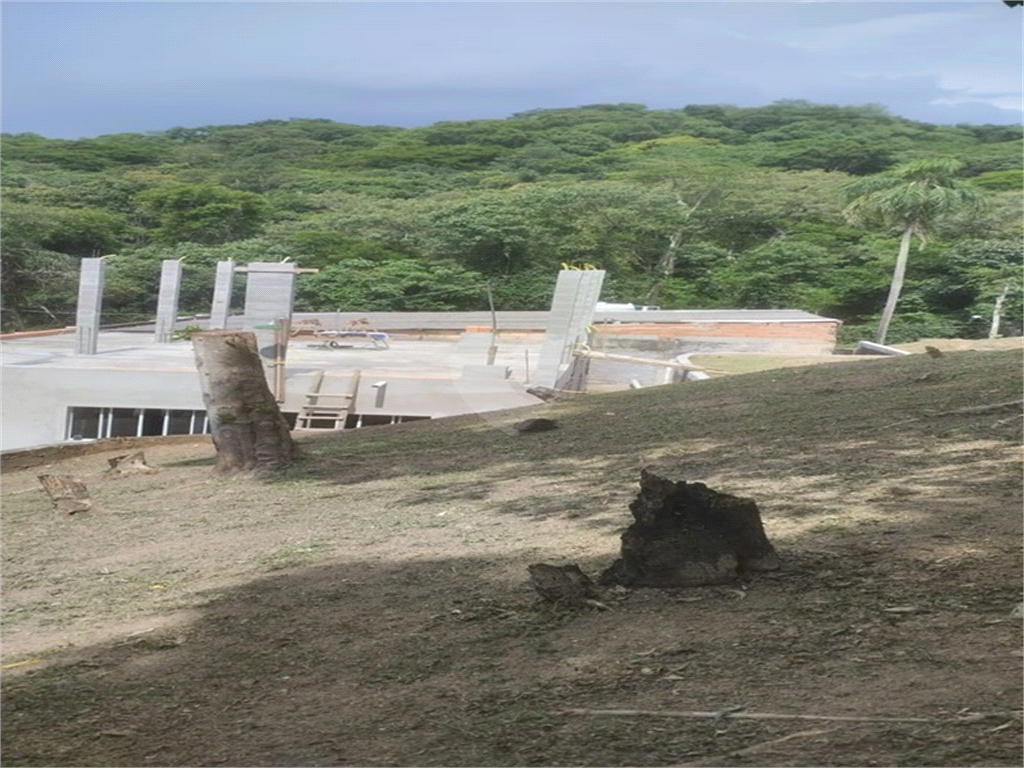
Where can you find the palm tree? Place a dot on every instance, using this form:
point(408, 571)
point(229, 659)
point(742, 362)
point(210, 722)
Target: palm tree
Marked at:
point(911, 198)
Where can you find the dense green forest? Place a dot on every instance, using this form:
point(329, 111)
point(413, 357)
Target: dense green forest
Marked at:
point(705, 206)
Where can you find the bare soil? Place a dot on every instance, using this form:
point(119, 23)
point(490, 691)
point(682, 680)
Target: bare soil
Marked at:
point(373, 606)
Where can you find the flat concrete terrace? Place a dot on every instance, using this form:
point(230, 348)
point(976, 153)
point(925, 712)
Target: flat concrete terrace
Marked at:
point(46, 386)
point(434, 366)
point(538, 321)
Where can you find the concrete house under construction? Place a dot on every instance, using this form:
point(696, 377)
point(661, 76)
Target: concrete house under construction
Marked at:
point(88, 384)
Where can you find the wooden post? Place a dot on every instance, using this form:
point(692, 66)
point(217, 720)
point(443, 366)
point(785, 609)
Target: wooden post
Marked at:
point(282, 330)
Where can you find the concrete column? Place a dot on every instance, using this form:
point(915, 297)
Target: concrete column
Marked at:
point(572, 310)
point(222, 295)
point(90, 302)
point(269, 294)
point(167, 300)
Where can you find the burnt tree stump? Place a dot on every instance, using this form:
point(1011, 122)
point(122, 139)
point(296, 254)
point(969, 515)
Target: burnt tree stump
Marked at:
point(687, 535)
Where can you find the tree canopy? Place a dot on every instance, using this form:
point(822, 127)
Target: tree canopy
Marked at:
point(704, 206)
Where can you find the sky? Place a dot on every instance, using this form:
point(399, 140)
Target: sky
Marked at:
point(80, 69)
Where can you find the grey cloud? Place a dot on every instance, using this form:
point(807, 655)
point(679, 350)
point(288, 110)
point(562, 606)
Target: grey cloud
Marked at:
point(113, 67)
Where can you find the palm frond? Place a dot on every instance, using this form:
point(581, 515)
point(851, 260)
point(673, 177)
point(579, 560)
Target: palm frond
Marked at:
point(915, 195)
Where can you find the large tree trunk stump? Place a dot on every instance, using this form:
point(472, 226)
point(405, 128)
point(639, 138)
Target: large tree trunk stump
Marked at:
point(686, 535)
point(248, 430)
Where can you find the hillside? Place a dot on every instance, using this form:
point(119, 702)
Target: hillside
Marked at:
point(704, 206)
point(372, 607)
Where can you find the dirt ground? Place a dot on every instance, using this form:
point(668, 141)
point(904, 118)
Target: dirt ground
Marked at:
point(373, 607)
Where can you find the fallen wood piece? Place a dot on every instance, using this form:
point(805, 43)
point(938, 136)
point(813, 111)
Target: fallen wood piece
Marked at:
point(961, 412)
point(982, 408)
point(1004, 726)
point(902, 421)
point(24, 663)
point(129, 464)
point(740, 715)
point(1007, 421)
point(965, 716)
point(67, 493)
point(754, 748)
point(764, 744)
point(564, 585)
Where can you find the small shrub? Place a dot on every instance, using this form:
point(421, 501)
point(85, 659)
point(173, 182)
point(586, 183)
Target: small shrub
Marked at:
point(186, 333)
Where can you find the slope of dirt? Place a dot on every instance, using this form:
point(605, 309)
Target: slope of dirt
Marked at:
point(373, 607)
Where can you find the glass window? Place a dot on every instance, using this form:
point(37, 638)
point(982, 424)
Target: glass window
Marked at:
point(124, 422)
point(85, 423)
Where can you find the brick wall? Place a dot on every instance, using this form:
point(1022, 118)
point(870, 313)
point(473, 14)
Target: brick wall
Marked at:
point(820, 332)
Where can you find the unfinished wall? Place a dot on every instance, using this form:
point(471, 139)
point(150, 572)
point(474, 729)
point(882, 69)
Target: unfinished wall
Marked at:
point(800, 337)
point(572, 310)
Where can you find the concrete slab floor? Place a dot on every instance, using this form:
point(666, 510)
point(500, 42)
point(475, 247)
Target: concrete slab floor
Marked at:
point(138, 351)
point(43, 378)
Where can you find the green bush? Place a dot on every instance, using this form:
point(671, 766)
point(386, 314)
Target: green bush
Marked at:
point(905, 329)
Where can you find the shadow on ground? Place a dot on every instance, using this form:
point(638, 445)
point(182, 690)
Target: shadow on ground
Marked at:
point(450, 661)
point(896, 517)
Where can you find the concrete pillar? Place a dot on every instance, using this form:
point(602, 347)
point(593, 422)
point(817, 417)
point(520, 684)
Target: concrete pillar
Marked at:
point(90, 302)
point(167, 300)
point(269, 294)
point(222, 295)
point(572, 310)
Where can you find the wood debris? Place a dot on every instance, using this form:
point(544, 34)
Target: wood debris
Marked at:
point(564, 585)
point(68, 493)
point(130, 464)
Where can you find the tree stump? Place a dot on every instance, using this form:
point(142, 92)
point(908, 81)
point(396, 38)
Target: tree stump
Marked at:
point(687, 535)
point(248, 430)
point(129, 464)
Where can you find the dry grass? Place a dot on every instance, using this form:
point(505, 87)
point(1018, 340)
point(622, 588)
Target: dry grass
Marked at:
point(372, 607)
